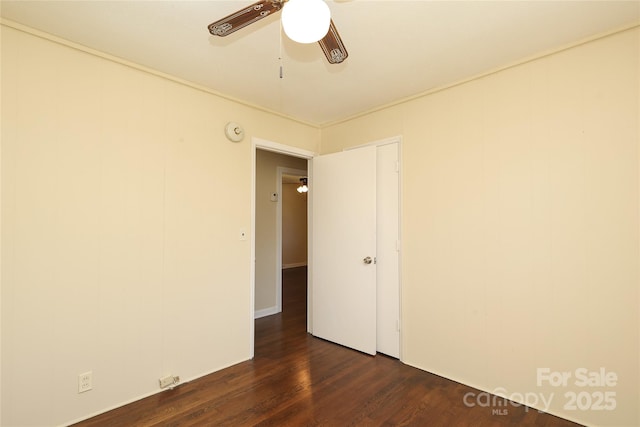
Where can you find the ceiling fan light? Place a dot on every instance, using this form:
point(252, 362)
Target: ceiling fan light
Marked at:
point(306, 21)
point(303, 186)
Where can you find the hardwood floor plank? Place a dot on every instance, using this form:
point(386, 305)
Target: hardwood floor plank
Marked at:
point(298, 380)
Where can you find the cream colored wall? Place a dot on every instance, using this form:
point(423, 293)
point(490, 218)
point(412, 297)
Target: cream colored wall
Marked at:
point(267, 164)
point(122, 203)
point(520, 224)
point(294, 226)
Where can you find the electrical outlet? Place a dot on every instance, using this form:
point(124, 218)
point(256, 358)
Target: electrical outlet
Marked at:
point(166, 381)
point(85, 382)
point(169, 381)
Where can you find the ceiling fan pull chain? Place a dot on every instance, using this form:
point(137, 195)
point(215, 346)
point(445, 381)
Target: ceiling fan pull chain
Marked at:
point(280, 49)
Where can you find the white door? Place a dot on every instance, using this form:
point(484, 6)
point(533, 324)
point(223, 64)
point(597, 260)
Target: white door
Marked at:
point(343, 191)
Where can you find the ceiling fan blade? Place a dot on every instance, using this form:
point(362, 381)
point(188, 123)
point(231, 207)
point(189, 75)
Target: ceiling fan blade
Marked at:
point(244, 17)
point(333, 47)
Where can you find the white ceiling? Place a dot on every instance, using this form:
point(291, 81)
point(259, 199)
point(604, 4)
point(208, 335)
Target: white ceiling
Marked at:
point(396, 48)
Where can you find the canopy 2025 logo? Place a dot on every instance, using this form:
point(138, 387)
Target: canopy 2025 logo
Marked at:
point(587, 399)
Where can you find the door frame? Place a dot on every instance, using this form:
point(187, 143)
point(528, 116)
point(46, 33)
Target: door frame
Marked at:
point(263, 144)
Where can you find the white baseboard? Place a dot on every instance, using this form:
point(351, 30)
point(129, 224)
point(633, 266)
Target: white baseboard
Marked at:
point(265, 312)
point(294, 265)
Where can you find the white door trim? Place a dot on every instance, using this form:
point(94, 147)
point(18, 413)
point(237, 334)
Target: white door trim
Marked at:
point(263, 144)
point(276, 147)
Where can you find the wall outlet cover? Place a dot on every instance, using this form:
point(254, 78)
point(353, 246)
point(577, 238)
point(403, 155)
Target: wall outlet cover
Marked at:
point(85, 381)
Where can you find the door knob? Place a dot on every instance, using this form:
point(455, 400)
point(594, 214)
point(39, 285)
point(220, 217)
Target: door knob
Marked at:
point(367, 260)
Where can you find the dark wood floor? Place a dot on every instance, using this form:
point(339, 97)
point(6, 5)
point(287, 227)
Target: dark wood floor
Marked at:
point(298, 380)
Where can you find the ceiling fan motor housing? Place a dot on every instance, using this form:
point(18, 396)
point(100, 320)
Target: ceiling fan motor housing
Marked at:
point(330, 43)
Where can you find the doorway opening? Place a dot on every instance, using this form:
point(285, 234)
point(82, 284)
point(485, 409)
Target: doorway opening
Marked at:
point(384, 304)
point(279, 242)
point(280, 226)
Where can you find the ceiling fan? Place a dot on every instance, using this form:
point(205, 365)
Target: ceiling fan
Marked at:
point(331, 43)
